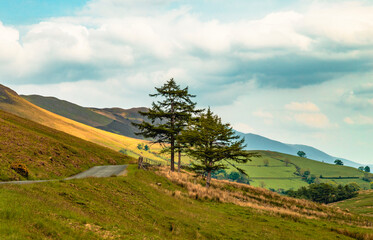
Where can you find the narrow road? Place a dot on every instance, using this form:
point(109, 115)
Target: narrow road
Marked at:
point(98, 171)
point(101, 171)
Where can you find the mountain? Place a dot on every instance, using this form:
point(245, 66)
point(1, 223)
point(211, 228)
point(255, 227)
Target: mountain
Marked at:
point(69, 110)
point(115, 120)
point(257, 142)
point(11, 102)
point(45, 152)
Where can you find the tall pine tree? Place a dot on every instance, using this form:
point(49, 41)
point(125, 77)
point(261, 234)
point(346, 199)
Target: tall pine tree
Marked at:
point(168, 116)
point(213, 145)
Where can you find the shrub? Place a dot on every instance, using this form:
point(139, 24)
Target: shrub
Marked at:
point(20, 168)
point(325, 193)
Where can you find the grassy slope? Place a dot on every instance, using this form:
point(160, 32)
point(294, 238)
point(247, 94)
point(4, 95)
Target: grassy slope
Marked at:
point(133, 207)
point(47, 153)
point(116, 121)
point(12, 103)
point(362, 204)
point(69, 110)
point(120, 114)
point(278, 169)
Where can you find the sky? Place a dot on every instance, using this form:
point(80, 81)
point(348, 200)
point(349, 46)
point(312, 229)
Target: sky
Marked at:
point(295, 71)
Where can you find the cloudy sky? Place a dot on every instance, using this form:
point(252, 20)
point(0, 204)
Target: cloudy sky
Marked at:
point(297, 71)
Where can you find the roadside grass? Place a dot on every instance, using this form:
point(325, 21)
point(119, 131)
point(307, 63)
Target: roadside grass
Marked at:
point(362, 204)
point(136, 207)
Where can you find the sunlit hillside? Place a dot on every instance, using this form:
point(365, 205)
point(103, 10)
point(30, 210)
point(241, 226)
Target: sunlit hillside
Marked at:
point(11, 102)
point(29, 150)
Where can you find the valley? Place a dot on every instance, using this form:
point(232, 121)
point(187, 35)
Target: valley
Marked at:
point(153, 203)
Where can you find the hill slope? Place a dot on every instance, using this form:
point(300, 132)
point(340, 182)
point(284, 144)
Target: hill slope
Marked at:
point(113, 120)
point(47, 153)
point(257, 142)
point(134, 207)
point(279, 175)
point(362, 204)
point(12, 103)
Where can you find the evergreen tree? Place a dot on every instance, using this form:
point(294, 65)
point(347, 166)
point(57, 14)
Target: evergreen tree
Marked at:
point(210, 143)
point(168, 116)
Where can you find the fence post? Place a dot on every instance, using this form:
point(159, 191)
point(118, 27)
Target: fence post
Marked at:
point(139, 162)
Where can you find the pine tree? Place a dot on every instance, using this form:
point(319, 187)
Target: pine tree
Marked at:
point(168, 116)
point(212, 143)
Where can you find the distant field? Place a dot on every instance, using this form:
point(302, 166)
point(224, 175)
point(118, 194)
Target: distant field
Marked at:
point(362, 204)
point(277, 175)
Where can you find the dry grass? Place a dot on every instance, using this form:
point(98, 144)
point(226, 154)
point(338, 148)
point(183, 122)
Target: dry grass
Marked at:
point(260, 199)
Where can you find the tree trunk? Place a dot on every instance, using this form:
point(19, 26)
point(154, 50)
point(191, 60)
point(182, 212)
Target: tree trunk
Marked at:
point(172, 138)
point(179, 161)
point(172, 154)
point(208, 179)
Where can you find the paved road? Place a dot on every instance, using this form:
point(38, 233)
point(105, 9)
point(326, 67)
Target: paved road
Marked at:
point(98, 171)
point(102, 171)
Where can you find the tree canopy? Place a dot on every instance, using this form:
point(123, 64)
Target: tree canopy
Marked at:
point(338, 162)
point(301, 154)
point(168, 116)
point(212, 143)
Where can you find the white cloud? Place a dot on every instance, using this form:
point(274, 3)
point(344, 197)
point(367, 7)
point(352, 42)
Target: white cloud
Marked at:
point(359, 120)
point(313, 120)
point(341, 22)
point(242, 127)
point(112, 36)
point(359, 97)
point(263, 114)
point(302, 107)
point(348, 120)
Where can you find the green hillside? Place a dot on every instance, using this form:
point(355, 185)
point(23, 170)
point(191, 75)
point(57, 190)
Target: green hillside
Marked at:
point(362, 204)
point(46, 152)
point(279, 175)
point(135, 207)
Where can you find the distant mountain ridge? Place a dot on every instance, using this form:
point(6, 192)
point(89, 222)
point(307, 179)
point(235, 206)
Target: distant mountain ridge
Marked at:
point(115, 120)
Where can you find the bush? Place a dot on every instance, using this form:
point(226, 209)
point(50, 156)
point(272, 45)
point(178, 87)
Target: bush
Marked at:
point(20, 168)
point(325, 193)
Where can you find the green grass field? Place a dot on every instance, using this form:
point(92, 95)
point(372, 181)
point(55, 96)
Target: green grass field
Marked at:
point(362, 204)
point(134, 207)
point(278, 175)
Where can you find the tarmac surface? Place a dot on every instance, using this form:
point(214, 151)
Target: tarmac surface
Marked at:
point(97, 171)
